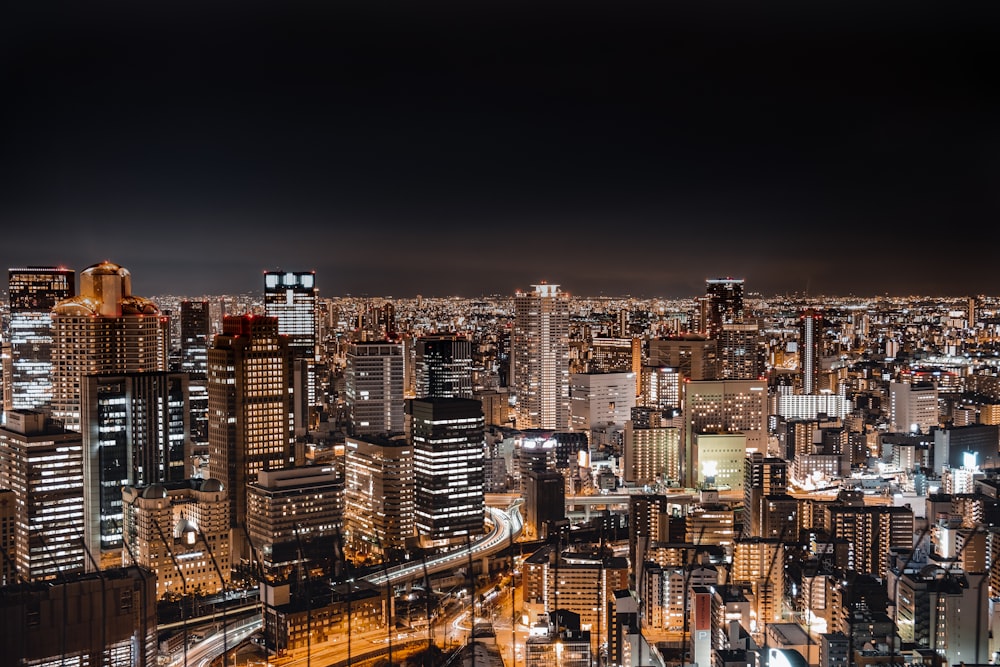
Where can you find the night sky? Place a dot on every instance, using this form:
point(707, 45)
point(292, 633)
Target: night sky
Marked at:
point(473, 148)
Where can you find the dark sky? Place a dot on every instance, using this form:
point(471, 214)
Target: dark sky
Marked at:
point(477, 147)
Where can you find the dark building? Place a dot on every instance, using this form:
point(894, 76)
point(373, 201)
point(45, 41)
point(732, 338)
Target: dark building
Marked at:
point(103, 618)
point(443, 366)
point(447, 435)
point(545, 501)
point(137, 424)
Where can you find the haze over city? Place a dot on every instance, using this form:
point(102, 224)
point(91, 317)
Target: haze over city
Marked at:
point(446, 148)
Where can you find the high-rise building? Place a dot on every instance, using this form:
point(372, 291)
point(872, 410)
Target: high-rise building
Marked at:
point(540, 357)
point(291, 297)
point(136, 428)
point(724, 407)
point(27, 358)
point(652, 453)
point(448, 468)
point(763, 476)
point(196, 336)
point(42, 463)
point(599, 399)
point(378, 494)
point(443, 366)
point(104, 329)
point(872, 531)
point(295, 517)
point(724, 304)
point(182, 524)
point(913, 408)
point(740, 355)
point(758, 564)
point(249, 410)
point(694, 357)
point(374, 381)
point(810, 332)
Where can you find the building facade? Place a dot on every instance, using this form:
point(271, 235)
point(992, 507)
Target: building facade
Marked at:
point(540, 357)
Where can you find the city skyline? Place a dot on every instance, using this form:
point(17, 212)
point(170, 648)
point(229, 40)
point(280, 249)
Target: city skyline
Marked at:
point(451, 149)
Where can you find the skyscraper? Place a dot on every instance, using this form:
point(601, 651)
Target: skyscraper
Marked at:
point(762, 477)
point(27, 358)
point(249, 410)
point(448, 468)
point(540, 357)
point(443, 365)
point(105, 329)
point(724, 304)
point(810, 329)
point(43, 464)
point(378, 494)
point(196, 333)
point(292, 298)
point(374, 380)
point(135, 429)
point(717, 407)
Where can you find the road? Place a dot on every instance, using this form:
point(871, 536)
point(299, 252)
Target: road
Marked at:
point(507, 526)
point(202, 653)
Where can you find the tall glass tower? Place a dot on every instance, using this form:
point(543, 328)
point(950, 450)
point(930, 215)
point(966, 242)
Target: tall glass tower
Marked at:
point(27, 367)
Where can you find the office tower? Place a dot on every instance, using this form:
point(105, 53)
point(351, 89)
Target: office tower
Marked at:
point(810, 342)
point(104, 618)
point(42, 463)
point(448, 468)
point(443, 366)
point(694, 357)
point(540, 357)
point(290, 296)
point(374, 380)
point(724, 304)
point(295, 517)
point(599, 399)
point(249, 410)
point(611, 355)
point(534, 451)
point(196, 336)
point(723, 407)
point(763, 476)
point(27, 353)
point(104, 329)
point(740, 354)
point(913, 408)
point(180, 524)
point(135, 426)
point(378, 495)
point(652, 454)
